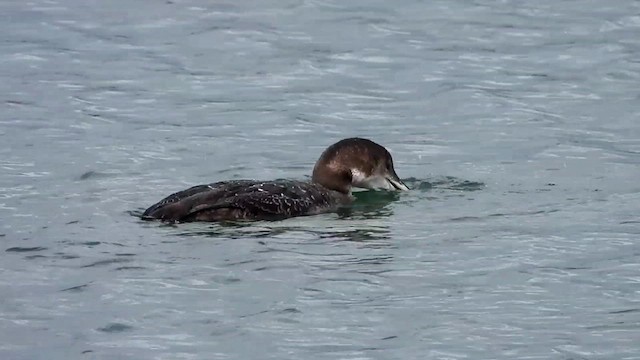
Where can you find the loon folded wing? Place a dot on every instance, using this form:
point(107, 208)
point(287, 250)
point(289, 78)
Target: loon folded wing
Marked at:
point(179, 204)
point(173, 198)
point(264, 201)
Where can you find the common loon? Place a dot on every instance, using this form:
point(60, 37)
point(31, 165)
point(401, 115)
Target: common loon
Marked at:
point(353, 162)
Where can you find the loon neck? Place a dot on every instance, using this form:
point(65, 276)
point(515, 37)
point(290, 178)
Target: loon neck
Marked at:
point(332, 179)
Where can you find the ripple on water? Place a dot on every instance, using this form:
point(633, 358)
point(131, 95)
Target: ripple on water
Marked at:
point(116, 328)
point(106, 262)
point(78, 288)
point(20, 249)
point(444, 182)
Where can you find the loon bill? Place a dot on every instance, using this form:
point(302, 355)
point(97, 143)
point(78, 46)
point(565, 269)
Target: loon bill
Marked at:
point(353, 162)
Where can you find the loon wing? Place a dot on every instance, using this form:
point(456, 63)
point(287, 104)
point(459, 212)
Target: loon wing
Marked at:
point(177, 205)
point(267, 201)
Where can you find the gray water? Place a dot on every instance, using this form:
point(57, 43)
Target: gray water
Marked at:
point(516, 123)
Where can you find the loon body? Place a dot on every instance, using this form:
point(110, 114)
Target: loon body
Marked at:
point(352, 162)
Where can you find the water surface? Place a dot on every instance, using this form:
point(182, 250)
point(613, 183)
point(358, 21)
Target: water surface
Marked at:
point(515, 123)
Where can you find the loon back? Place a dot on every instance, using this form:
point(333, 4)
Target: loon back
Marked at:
point(247, 200)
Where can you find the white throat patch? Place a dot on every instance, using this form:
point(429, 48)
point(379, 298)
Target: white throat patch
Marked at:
point(357, 176)
point(359, 179)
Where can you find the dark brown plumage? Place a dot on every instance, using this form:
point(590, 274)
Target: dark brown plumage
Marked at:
point(247, 199)
point(349, 162)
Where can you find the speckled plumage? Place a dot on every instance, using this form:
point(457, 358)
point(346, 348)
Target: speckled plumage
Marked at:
point(247, 199)
point(347, 163)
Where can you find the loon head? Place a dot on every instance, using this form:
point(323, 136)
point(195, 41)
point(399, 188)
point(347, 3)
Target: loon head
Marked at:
point(356, 162)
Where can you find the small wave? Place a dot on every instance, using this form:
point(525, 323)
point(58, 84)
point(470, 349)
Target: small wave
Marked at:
point(444, 182)
point(25, 249)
